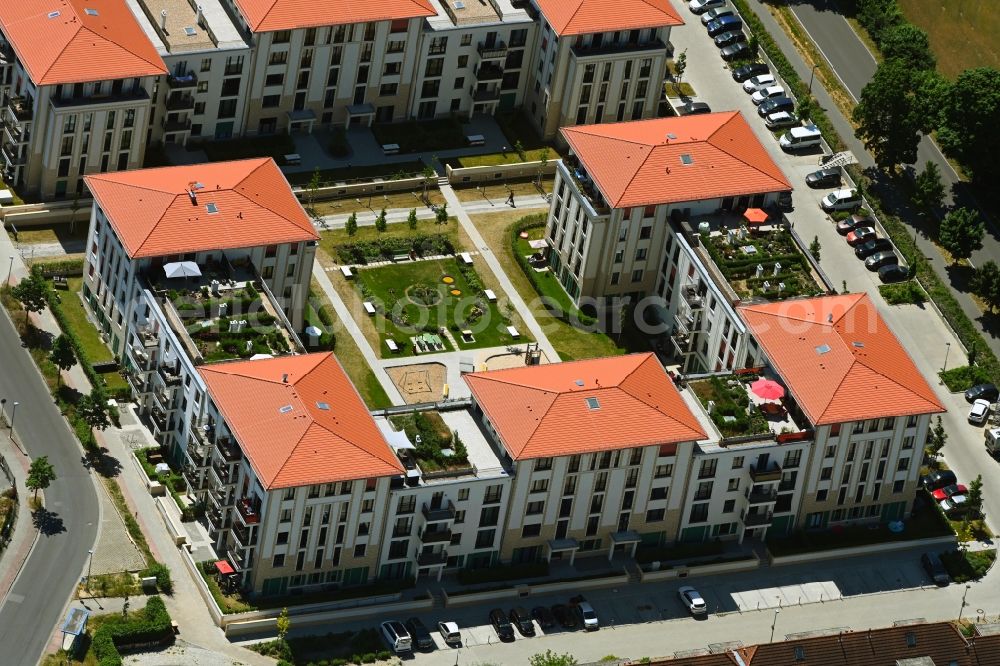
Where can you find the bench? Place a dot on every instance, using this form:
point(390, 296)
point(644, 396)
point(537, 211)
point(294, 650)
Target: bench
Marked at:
point(293, 159)
point(369, 308)
point(393, 347)
point(513, 332)
point(390, 148)
point(465, 258)
point(490, 295)
point(476, 139)
point(346, 271)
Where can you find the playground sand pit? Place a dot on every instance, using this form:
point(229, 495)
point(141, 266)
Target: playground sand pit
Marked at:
point(421, 382)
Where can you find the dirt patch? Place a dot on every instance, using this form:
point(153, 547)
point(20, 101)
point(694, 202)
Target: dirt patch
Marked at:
point(421, 382)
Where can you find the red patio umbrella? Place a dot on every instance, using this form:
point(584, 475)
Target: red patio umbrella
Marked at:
point(768, 389)
point(755, 216)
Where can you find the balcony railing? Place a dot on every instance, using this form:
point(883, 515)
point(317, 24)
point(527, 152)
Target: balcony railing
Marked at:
point(763, 497)
point(224, 476)
point(436, 536)
point(228, 449)
point(432, 559)
point(246, 512)
point(171, 375)
point(179, 101)
point(486, 95)
point(771, 472)
point(493, 52)
point(444, 512)
point(245, 536)
point(176, 125)
point(488, 71)
point(21, 108)
point(758, 519)
point(12, 155)
point(189, 80)
point(16, 133)
point(617, 47)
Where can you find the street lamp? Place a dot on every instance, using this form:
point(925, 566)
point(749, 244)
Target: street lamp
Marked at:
point(90, 566)
point(10, 269)
point(962, 607)
point(947, 348)
point(13, 410)
point(773, 623)
point(811, 76)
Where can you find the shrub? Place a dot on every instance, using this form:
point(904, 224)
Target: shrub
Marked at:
point(149, 625)
point(162, 574)
point(903, 292)
point(964, 566)
point(964, 377)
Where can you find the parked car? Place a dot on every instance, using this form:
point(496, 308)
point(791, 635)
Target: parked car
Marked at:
point(724, 24)
point(737, 51)
point(565, 616)
point(893, 273)
point(848, 199)
point(419, 634)
point(521, 618)
point(854, 221)
point(450, 633)
point(588, 615)
point(755, 83)
point(860, 235)
point(729, 38)
point(780, 120)
point(717, 13)
point(869, 248)
point(800, 138)
point(949, 490)
point(692, 600)
point(694, 108)
point(770, 92)
point(774, 105)
point(702, 6)
point(543, 616)
point(880, 259)
point(980, 412)
point(824, 178)
point(935, 568)
point(503, 627)
point(954, 504)
point(744, 72)
point(982, 391)
point(938, 479)
point(396, 635)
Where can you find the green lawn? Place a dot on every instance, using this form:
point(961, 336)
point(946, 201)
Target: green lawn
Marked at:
point(388, 171)
point(276, 146)
point(329, 241)
point(401, 288)
point(517, 126)
point(94, 347)
point(962, 33)
point(422, 135)
point(509, 157)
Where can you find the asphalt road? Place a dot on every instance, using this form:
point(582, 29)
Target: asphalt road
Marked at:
point(35, 603)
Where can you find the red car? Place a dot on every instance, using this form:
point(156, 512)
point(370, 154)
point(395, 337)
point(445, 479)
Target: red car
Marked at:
point(948, 491)
point(860, 235)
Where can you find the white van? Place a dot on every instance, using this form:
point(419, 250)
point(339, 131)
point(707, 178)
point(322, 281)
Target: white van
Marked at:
point(848, 199)
point(800, 138)
point(397, 637)
point(993, 441)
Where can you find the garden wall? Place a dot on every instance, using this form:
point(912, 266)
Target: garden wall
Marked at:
point(346, 190)
point(480, 174)
point(41, 214)
point(836, 553)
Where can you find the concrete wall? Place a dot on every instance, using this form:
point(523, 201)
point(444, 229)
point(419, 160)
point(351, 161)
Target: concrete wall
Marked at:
point(855, 551)
point(488, 174)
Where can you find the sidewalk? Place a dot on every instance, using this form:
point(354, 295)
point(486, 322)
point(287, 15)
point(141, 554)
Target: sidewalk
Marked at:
point(395, 215)
point(25, 534)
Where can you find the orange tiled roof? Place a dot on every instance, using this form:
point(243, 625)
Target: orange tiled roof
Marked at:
point(542, 411)
point(839, 359)
point(579, 17)
point(75, 41)
point(307, 444)
point(642, 162)
point(153, 214)
point(270, 15)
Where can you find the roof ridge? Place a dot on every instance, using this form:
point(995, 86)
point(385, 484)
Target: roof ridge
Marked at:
point(78, 21)
point(538, 422)
point(576, 11)
point(263, 18)
point(116, 43)
point(635, 173)
point(739, 159)
point(152, 227)
point(265, 162)
point(656, 408)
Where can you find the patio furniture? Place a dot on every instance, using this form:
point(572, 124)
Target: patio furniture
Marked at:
point(369, 308)
point(513, 332)
point(390, 149)
point(393, 347)
point(465, 258)
point(293, 159)
point(490, 296)
point(476, 139)
point(346, 272)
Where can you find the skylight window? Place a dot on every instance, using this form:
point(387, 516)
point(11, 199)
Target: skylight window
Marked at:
point(687, 159)
point(579, 382)
point(54, 14)
point(189, 31)
point(325, 406)
point(822, 349)
point(90, 11)
point(859, 345)
point(212, 208)
point(285, 409)
point(593, 403)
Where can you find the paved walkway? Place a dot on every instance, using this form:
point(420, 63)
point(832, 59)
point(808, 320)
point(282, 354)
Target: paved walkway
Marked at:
point(25, 534)
point(395, 215)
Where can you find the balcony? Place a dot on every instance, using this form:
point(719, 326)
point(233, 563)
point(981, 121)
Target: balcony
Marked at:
point(223, 475)
point(195, 481)
point(244, 536)
point(176, 124)
point(228, 449)
point(164, 397)
point(435, 536)
point(485, 94)
point(618, 48)
point(401, 531)
point(131, 96)
point(692, 296)
point(148, 337)
point(16, 134)
point(492, 51)
point(159, 418)
point(432, 559)
point(21, 108)
point(771, 472)
point(188, 80)
point(179, 101)
point(758, 519)
point(762, 496)
point(136, 382)
point(171, 375)
point(197, 454)
point(139, 358)
point(12, 155)
point(215, 519)
point(246, 512)
point(488, 71)
point(444, 512)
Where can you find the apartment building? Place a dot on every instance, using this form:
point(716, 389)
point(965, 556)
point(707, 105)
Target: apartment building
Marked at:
point(233, 220)
point(622, 183)
point(598, 449)
point(204, 95)
point(598, 61)
point(81, 76)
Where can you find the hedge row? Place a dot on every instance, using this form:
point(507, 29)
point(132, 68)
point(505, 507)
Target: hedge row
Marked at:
point(65, 267)
point(151, 625)
point(501, 573)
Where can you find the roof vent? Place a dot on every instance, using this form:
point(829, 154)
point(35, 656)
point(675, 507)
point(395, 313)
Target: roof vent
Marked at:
point(579, 382)
point(189, 31)
point(284, 378)
point(195, 185)
point(671, 135)
point(686, 159)
point(90, 11)
point(459, 4)
point(285, 409)
point(592, 403)
point(212, 208)
point(54, 14)
point(829, 318)
point(325, 406)
point(822, 349)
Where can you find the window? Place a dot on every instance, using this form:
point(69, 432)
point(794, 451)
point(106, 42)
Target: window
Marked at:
point(729, 506)
point(831, 451)
point(274, 79)
point(699, 513)
point(534, 508)
point(531, 530)
point(645, 232)
point(640, 254)
point(387, 89)
point(655, 515)
point(463, 494)
point(821, 495)
point(738, 462)
point(658, 493)
point(539, 486)
point(463, 61)
point(542, 464)
point(707, 468)
point(434, 67)
point(826, 473)
point(277, 58)
point(459, 516)
point(663, 471)
point(282, 538)
point(489, 516)
point(227, 108)
point(359, 550)
point(897, 486)
point(734, 484)
point(459, 83)
point(616, 277)
point(484, 539)
point(908, 442)
point(466, 39)
point(903, 465)
point(278, 561)
point(793, 458)
point(637, 275)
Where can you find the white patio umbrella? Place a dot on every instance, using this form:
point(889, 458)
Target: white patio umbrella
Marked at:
point(181, 269)
point(313, 331)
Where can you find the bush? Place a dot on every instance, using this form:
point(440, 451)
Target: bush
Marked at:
point(67, 267)
point(903, 292)
point(681, 551)
point(162, 574)
point(151, 625)
point(964, 377)
point(964, 566)
point(501, 573)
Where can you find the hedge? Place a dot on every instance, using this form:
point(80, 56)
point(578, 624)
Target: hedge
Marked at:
point(65, 267)
point(151, 625)
point(501, 573)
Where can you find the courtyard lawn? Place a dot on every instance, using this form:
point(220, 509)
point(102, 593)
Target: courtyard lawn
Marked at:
point(348, 205)
point(90, 339)
point(962, 33)
point(496, 192)
point(511, 156)
point(517, 126)
point(421, 135)
point(417, 299)
point(330, 241)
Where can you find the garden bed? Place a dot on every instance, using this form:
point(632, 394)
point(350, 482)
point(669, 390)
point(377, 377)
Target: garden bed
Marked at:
point(435, 437)
point(332, 649)
point(964, 566)
point(387, 246)
point(964, 377)
point(733, 414)
point(738, 263)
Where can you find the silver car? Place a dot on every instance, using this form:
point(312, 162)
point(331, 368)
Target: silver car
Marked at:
point(692, 599)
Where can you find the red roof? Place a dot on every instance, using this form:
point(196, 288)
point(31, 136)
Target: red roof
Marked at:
point(669, 160)
point(839, 359)
point(153, 213)
point(74, 41)
point(311, 429)
point(584, 406)
point(270, 15)
point(579, 17)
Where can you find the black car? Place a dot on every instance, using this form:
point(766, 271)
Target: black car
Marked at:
point(987, 392)
point(503, 627)
point(849, 224)
point(727, 38)
point(565, 616)
point(721, 25)
point(935, 568)
point(775, 104)
point(419, 634)
point(543, 616)
point(865, 250)
point(521, 618)
point(938, 479)
point(694, 108)
point(737, 51)
point(893, 273)
point(824, 178)
point(880, 259)
point(744, 72)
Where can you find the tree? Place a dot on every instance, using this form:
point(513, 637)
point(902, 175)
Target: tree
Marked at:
point(975, 496)
point(351, 226)
point(878, 16)
point(411, 220)
point(93, 409)
point(519, 149)
point(380, 223)
point(550, 658)
point(909, 44)
point(680, 65)
point(986, 284)
point(283, 624)
point(314, 182)
point(805, 107)
point(815, 247)
point(62, 355)
point(442, 214)
point(928, 190)
point(936, 438)
point(543, 160)
point(889, 114)
point(961, 233)
point(33, 294)
point(40, 475)
point(967, 127)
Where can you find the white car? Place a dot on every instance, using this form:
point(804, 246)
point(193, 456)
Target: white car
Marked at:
point(950, 504)
point(847, 199)
point(713, 14)
point(780, 119)
point(450, 633)
point(980, 412)
point(692, 599)
point(758, 82)
point(396, 635)
point(588, 615)
point(767, 93)
point(701, 6)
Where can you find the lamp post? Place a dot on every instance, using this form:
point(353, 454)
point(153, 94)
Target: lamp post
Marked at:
point(962, 607)
point(947, 348)
point(13, 410)
point(773, 623)
point(90, 566)
point(811, 76)
point(10, 269)
point(3, 414)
